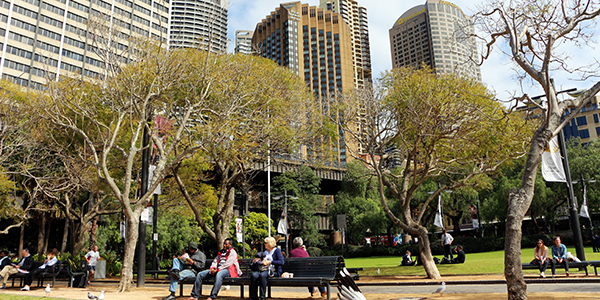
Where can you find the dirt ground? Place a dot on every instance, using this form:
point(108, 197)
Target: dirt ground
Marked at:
point(157, 293)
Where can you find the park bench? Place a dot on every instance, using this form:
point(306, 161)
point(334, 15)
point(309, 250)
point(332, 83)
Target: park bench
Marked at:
point(572, 265)
point(62, 269)
point(595, 264)
point(311, 271)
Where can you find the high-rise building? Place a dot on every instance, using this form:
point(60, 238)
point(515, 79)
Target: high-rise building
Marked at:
point(44, 39)
point(315, 44)
point(356, 18)
point(243, 41)
point(199, 24)
point(438, 34)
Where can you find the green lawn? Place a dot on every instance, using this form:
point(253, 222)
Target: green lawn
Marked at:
point(476, 263)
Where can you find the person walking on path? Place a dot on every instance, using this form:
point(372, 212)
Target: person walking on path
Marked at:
point(224, 265)
point(92, 258)
point(447, 244)
point(299, 251)
point(185, 266)
point(24, 266)
point(559, 256)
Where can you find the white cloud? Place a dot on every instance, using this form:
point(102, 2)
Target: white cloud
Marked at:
point(497, 72)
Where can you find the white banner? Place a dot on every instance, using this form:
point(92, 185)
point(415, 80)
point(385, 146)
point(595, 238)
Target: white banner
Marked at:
point(239, 233)
point(583, 211)
point(147, 215)
point(282, 226)
point(552, 166)
point(439, 215)
point(150, 175)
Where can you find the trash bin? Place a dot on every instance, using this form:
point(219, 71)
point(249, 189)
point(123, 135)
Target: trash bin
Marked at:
point(100, 269)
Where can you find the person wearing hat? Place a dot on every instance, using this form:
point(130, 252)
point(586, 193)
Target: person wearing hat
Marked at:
point(185, 266)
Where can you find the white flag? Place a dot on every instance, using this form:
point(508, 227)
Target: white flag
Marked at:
point(439, 216)
point(282, 226)
point(239, 234)
point(583, 211)
point(552, 166)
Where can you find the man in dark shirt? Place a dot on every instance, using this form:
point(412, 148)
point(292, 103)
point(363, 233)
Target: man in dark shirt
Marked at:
point(460, 255)
point(185, 266)
point(407, 260)
point(26, 265)
point(4, 259)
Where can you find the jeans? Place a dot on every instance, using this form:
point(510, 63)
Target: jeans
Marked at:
point(197, 289)
point(554, 262)
point(259, 278)
point(311, 289)
point(183, 274)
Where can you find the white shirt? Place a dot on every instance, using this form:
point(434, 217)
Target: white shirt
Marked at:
point(93, 257)
point(447, 239)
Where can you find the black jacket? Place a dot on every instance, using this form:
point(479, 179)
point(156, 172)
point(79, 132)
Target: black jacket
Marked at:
point(28, 263)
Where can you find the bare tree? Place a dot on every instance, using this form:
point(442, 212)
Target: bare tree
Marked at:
point(420, 126)
point(534, 32)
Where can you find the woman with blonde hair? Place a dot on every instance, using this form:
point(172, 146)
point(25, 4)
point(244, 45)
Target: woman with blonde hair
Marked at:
point(541, 258)
point(272, 258)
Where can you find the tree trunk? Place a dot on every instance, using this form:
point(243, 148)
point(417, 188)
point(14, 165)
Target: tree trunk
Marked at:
point(133, 224)
point(41, 233)
point(426, 256)
point(518, 204)
point(47, 237)
point(93, 230)
point(63, 246)
point(21, 239)
point(456, 223)
point(513, 271)
point(79, 241)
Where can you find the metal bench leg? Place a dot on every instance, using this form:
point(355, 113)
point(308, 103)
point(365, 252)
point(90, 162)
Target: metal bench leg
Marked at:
point(242, 291)
point(181, 289)
point(269, 289)
point(328, 291)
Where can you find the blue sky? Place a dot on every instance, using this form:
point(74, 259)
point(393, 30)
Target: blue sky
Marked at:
point(496, 72)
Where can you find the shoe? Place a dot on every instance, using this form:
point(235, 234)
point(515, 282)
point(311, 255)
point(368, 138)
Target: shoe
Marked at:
point(3, 287)
point(174, 274)
point(170, 297)
point(26, 288)
point(313, 293)
point(89, 283)
point(543, 275)
point(567, 273)
point(323, 294)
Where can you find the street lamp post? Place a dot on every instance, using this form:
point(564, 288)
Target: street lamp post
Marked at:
point(285, 212)
point(480, 225)
point(585, 197)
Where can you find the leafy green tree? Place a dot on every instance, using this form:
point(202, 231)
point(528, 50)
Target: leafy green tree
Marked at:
point(302, 183)
point(255, 108)
point(418, 125)
point(585, 160)
point(532, 34)
point(358, 199)
point(256, 225)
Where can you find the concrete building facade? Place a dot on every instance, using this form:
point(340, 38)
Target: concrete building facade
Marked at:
point(436, 33)
point(199, 24)
point(44, 39)
point(243, 41)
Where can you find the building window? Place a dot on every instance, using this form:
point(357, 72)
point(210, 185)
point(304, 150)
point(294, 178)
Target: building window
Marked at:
point(581, 121)
point(584, 134)
point(595, 118)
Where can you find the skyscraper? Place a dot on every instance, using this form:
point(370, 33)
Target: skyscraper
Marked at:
point(356, 18)
point(199, 23)
point(437, 34)
point(44, 39)
point(315, 44)
point(243, 41)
